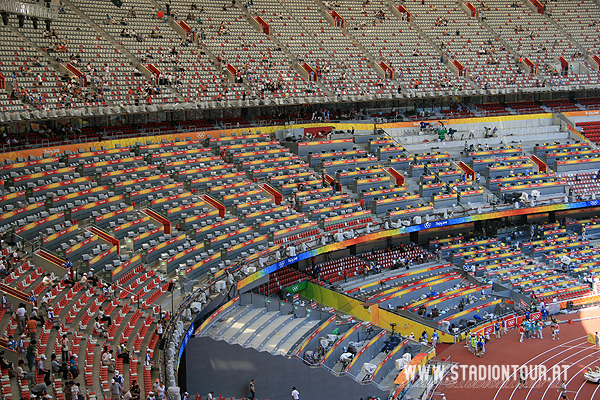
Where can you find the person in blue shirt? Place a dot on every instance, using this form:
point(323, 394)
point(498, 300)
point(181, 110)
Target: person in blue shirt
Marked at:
point(12, 343)
point(73, 366)
point(544, 314)
point(497, 329)
point(480, 348)
point(527, 328)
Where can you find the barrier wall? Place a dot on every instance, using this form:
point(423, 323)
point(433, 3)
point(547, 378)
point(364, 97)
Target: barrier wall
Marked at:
point(395, 232)
point(368, 312)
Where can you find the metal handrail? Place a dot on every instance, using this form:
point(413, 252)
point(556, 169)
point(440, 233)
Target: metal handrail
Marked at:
point(176, 316)
point(433, 393)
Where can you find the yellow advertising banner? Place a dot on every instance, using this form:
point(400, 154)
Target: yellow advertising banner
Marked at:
point(370, 312)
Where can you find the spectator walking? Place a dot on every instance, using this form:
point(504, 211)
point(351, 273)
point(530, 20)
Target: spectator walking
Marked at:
point(159, 330)
point(67, 390)
point(21, 318)
point(295, 394)
point(75, 391)
point(32, 329)
point(64, 347)
point(135, 391)
point(30, 354)
point(253, 391)
point(115, 390)
point(73, 369)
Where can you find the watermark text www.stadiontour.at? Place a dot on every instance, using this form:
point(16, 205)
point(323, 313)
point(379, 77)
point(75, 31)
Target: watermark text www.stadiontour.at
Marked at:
point(495, 376)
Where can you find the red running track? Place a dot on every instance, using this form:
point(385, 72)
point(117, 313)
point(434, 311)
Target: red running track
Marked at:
point(570, 356)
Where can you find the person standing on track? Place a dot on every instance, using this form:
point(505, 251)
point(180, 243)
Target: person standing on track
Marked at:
point(563, 390)
point(480, 347)
point(522, 377)
point(556, 331)
point(504, 328)
point(597, 341)
point(522, 332)
point(497, 329)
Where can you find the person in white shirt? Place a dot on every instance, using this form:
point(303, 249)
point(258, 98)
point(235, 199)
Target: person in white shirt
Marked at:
point(99, 328)
point(50, 315)
point(103, 317)
point(75, 391)
point(108, 360)
point(159, 330)
point(19, 369)
point(111, 292)
point(48, 281)
point(295, 394)
point(21, 318)
point(161, 390)
point(41, 369)
point(46, 298)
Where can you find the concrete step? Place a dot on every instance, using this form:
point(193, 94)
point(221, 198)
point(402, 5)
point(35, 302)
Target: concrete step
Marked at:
point(235, 327)
point(262, 337)
point(262, 322)
point(224, 321)
point(288, 343)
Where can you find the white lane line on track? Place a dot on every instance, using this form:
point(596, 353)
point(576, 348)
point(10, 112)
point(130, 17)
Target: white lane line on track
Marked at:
point(539, 355)
point(572, 355)
point(594, 394)
point(574, 375)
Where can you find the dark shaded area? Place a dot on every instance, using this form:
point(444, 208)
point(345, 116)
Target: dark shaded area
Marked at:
point(227, 370)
